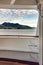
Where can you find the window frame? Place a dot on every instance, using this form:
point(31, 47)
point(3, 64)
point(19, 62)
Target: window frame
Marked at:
point(35, 7)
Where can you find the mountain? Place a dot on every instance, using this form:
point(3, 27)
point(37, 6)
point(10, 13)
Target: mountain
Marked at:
point(7, 25)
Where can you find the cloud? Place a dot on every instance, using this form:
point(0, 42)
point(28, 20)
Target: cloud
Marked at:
point(11, 15)
point(18, 11)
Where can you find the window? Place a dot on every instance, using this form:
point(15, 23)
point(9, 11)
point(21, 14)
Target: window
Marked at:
point(18, 21)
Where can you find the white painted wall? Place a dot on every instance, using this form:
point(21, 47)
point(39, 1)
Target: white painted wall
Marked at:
point(20, 44)
point(20, 55)
point(19, 48)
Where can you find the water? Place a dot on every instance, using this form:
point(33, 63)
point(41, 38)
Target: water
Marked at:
point(18, 32)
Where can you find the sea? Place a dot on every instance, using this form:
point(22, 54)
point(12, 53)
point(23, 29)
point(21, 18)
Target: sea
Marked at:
point(18, 32)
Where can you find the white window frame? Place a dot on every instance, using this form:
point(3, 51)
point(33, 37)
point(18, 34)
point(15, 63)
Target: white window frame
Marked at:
point(17, 7)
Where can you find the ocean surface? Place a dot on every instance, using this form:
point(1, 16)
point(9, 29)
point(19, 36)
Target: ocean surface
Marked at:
point(18, 32)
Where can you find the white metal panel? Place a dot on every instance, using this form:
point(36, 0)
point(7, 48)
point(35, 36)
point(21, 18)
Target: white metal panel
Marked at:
point(5, 1)
point(25, 2)
point(42, 10)
point(20, 2)
point(20, 55)
point(19, 6)
point(20, 44)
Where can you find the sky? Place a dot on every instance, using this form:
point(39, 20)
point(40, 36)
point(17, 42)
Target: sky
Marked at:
point(21, 16)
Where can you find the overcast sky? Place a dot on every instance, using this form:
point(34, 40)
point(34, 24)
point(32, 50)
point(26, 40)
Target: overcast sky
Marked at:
point(21, 16)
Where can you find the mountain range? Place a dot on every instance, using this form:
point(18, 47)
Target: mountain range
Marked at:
point(7, 25)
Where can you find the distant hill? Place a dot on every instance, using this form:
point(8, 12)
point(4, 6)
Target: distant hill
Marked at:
point(6, 25)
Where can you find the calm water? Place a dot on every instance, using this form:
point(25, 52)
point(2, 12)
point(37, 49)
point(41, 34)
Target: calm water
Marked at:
point(17, 32)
